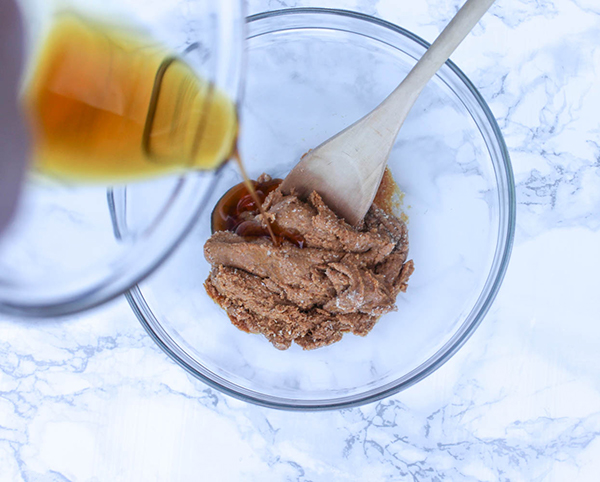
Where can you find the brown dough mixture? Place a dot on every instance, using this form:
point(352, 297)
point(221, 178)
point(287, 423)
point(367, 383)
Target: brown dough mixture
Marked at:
point(342, 281)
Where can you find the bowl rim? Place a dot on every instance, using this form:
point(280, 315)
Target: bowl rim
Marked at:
point(501, 259)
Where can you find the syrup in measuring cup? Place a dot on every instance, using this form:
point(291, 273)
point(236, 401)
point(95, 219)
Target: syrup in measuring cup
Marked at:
point(109, 104)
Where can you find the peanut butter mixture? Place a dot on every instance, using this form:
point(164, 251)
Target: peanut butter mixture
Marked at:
point(341, 281)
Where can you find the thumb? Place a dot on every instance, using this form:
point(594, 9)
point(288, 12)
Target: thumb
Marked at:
point(13, 135)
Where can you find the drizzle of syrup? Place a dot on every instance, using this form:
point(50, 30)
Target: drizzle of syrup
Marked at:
point(237, 209)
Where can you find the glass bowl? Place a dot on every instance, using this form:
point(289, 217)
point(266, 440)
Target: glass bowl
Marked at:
point(64, 252)
point(310, 73)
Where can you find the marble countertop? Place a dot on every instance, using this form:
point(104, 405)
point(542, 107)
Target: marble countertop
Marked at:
point(92, 398)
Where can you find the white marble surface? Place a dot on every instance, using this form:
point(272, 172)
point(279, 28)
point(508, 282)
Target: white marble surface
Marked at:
point(91, 398)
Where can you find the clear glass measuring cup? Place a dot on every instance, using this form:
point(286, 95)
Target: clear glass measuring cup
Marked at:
point(165, 68)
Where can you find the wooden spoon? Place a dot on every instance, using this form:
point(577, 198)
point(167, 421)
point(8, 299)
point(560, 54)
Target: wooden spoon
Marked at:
point(346, 169)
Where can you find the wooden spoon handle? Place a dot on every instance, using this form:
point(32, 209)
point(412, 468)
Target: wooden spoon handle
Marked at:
point(450, 38)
